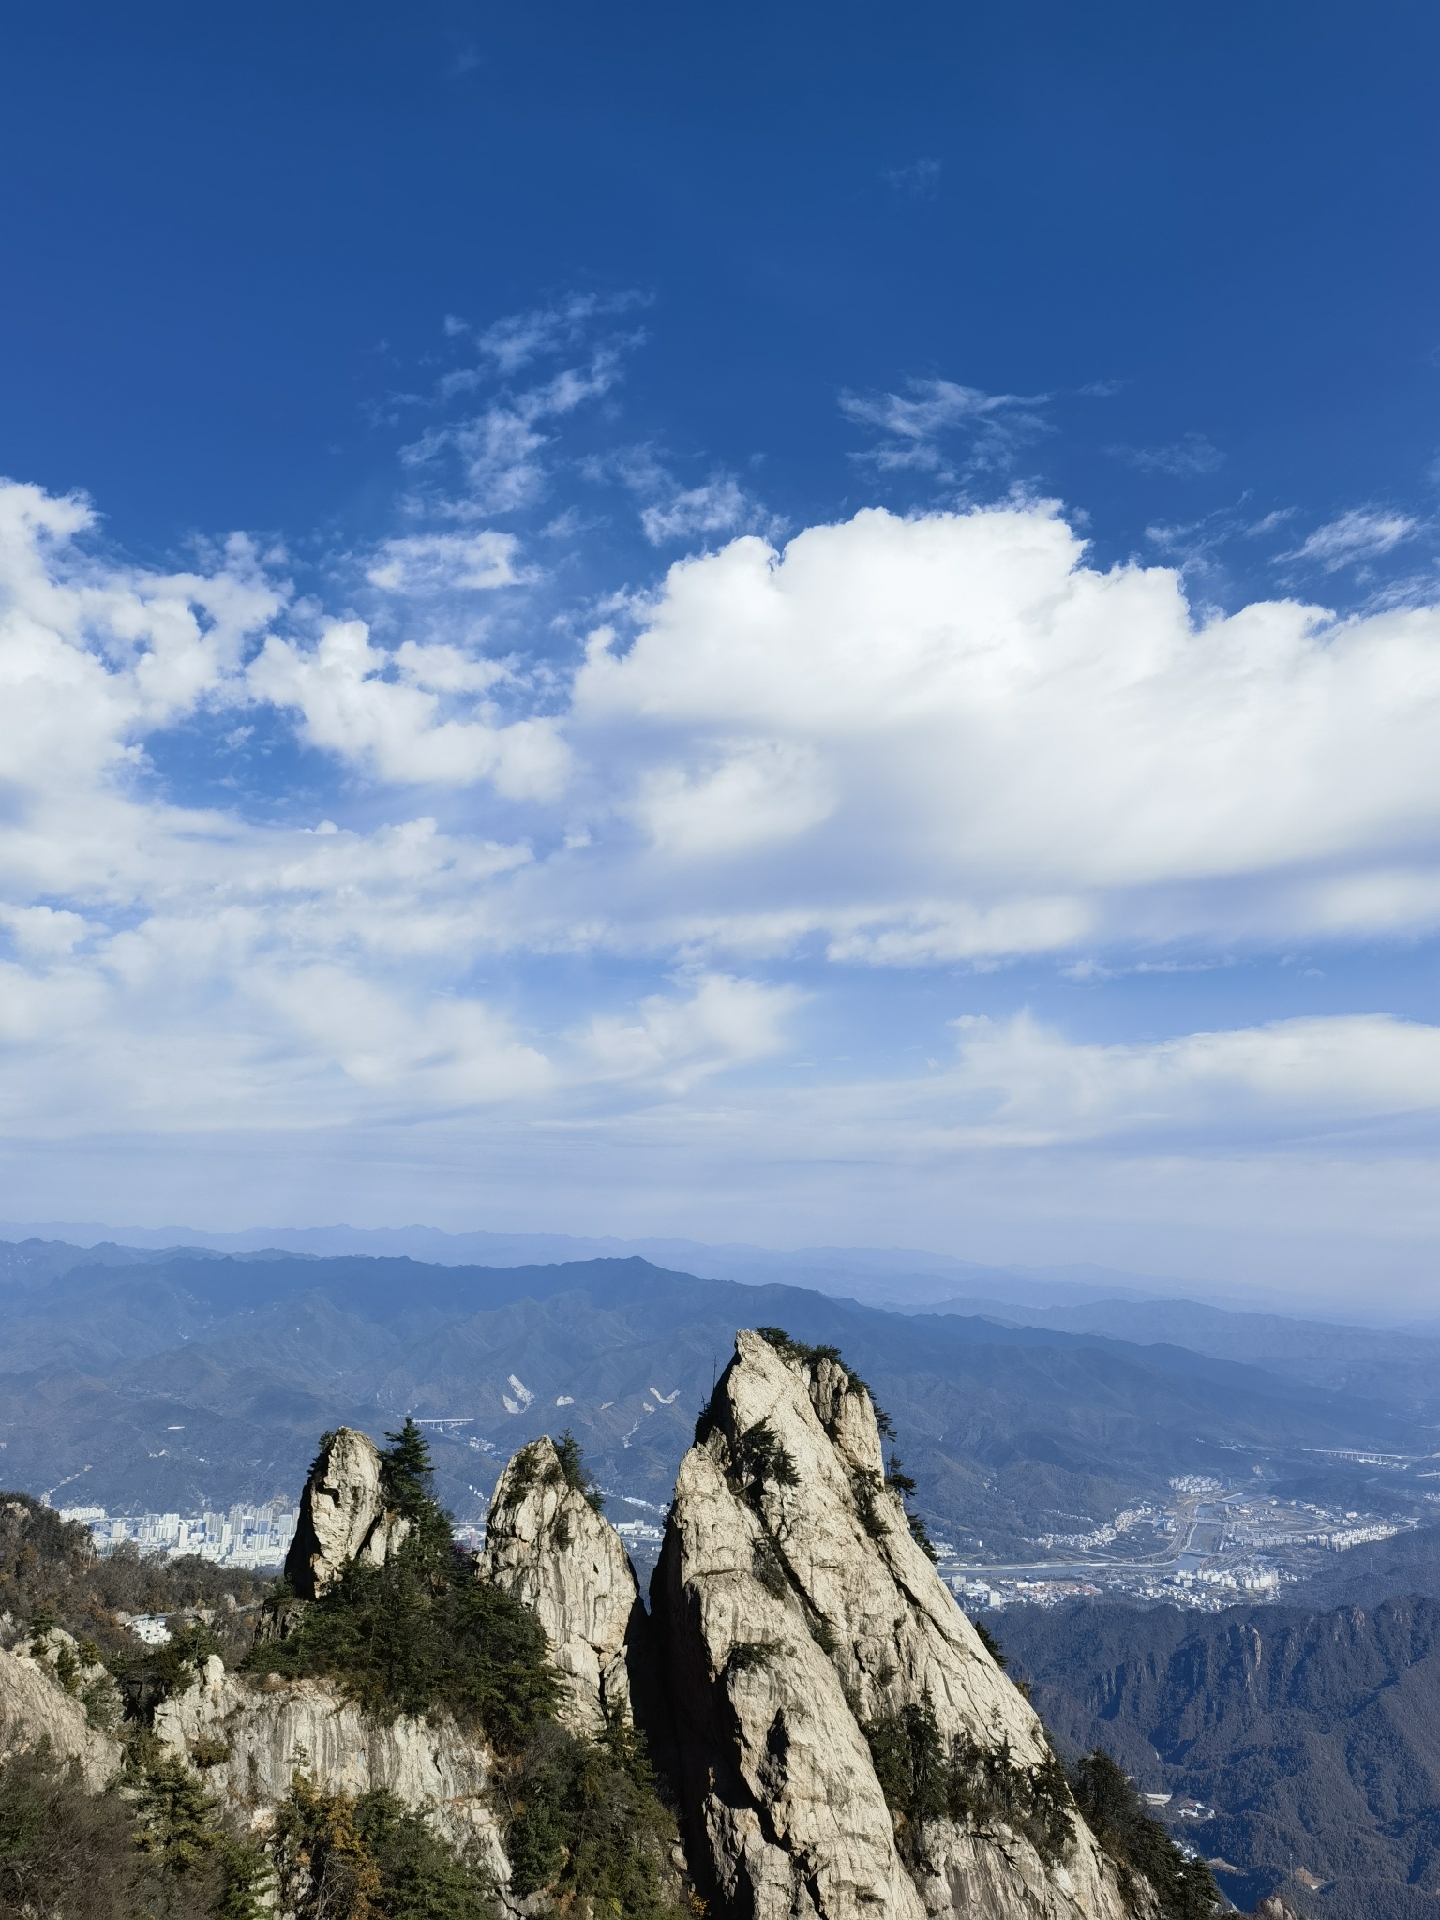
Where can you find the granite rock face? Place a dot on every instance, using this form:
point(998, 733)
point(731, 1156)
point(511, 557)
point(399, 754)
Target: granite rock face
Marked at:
point(802, 1632)
point(842, 1744)
point(250, 1735)
point(547, 1547)
point(34, 1706)
point(343, 1515)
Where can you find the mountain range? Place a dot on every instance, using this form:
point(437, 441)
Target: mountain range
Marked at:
point(183, 1379)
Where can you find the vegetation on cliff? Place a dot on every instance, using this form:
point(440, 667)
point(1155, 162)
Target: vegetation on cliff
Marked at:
point(368, 1858)
point(1139, 1846)
point(51, 1575)
point(151, 1847)
point(420, 1632)
point(423, 1633)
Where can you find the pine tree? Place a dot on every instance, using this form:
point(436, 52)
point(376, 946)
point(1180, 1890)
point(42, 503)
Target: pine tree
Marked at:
point(406, 1469)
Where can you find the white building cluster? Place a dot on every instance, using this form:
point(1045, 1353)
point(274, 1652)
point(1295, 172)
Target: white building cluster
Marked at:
point(252, 1537)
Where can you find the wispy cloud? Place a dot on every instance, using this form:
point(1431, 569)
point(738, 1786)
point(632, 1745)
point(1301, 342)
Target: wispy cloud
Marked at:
point(512, 343)
point(504, 447)
point(918, 181)
point(721, 506)
point(673, 511)
point(500, 449)
point(912, 426)
point(1189, 455)
point(1363, 533)
point(442, 562)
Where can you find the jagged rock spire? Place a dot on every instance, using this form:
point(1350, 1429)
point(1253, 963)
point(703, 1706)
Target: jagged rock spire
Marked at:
point(805, 1635)
point(343, 1515)
point(548, 1547)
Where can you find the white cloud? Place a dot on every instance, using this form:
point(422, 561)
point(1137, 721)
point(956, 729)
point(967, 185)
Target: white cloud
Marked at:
point(514, 341)
point(443, 562)
point(721, 506)
point(955, 737)
point(674, 512)
point(45, 930)
point(676, 1043)
point(759, 791)
point(1021, 1084)
point(1192, 454)
point(938, 932)
point(918, 181)
point(1361, 534)
point(912, 425)
point(500, 450)
point(183, 972)
point(442, 1053)
point(397, 725)
point(901, 743)
point(94, 656)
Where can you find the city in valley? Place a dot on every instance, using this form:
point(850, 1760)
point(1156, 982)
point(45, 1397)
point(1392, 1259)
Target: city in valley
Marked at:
point(1209, 1547)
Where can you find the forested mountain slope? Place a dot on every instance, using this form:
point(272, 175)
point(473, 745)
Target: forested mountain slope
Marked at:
point(1315, 1736)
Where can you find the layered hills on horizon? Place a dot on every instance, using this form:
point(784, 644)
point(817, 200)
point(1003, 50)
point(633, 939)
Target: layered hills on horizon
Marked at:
point(184, 1379)
point(877, 1276)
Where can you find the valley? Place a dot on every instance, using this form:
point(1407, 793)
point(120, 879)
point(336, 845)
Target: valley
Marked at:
point(1122, 1514)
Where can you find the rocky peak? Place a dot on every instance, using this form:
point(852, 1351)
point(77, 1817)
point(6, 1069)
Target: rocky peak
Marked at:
point(344, 1514)
point(548, 1545)
point(847, 1743)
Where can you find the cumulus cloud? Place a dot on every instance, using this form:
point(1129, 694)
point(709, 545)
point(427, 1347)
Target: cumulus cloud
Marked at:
point(952, 737)
point(758, 791)
point(901, 743)
point(93, 656)
point(349, 706)
point(176, 970)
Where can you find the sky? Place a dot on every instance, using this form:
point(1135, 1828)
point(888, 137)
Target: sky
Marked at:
point(806, 624)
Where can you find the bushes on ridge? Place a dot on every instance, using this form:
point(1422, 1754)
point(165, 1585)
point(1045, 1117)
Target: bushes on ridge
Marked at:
point(583, 1818)
point(421, 1632)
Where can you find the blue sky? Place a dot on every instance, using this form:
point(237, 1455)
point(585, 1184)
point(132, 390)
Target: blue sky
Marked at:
point(804, 624)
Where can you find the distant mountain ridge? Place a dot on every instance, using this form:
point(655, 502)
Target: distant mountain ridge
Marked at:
point(199, 1379)
point(1401, 1367)
point(877, 1275)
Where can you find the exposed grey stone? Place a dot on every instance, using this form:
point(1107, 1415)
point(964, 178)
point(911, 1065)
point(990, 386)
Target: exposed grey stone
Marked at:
point(34, 1706)
point(547, 1547)
point(343, 1515)
point(794, 1615)
point(265, 1729)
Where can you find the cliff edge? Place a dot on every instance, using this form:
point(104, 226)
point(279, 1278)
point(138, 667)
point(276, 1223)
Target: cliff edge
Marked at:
point(848, 1745)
